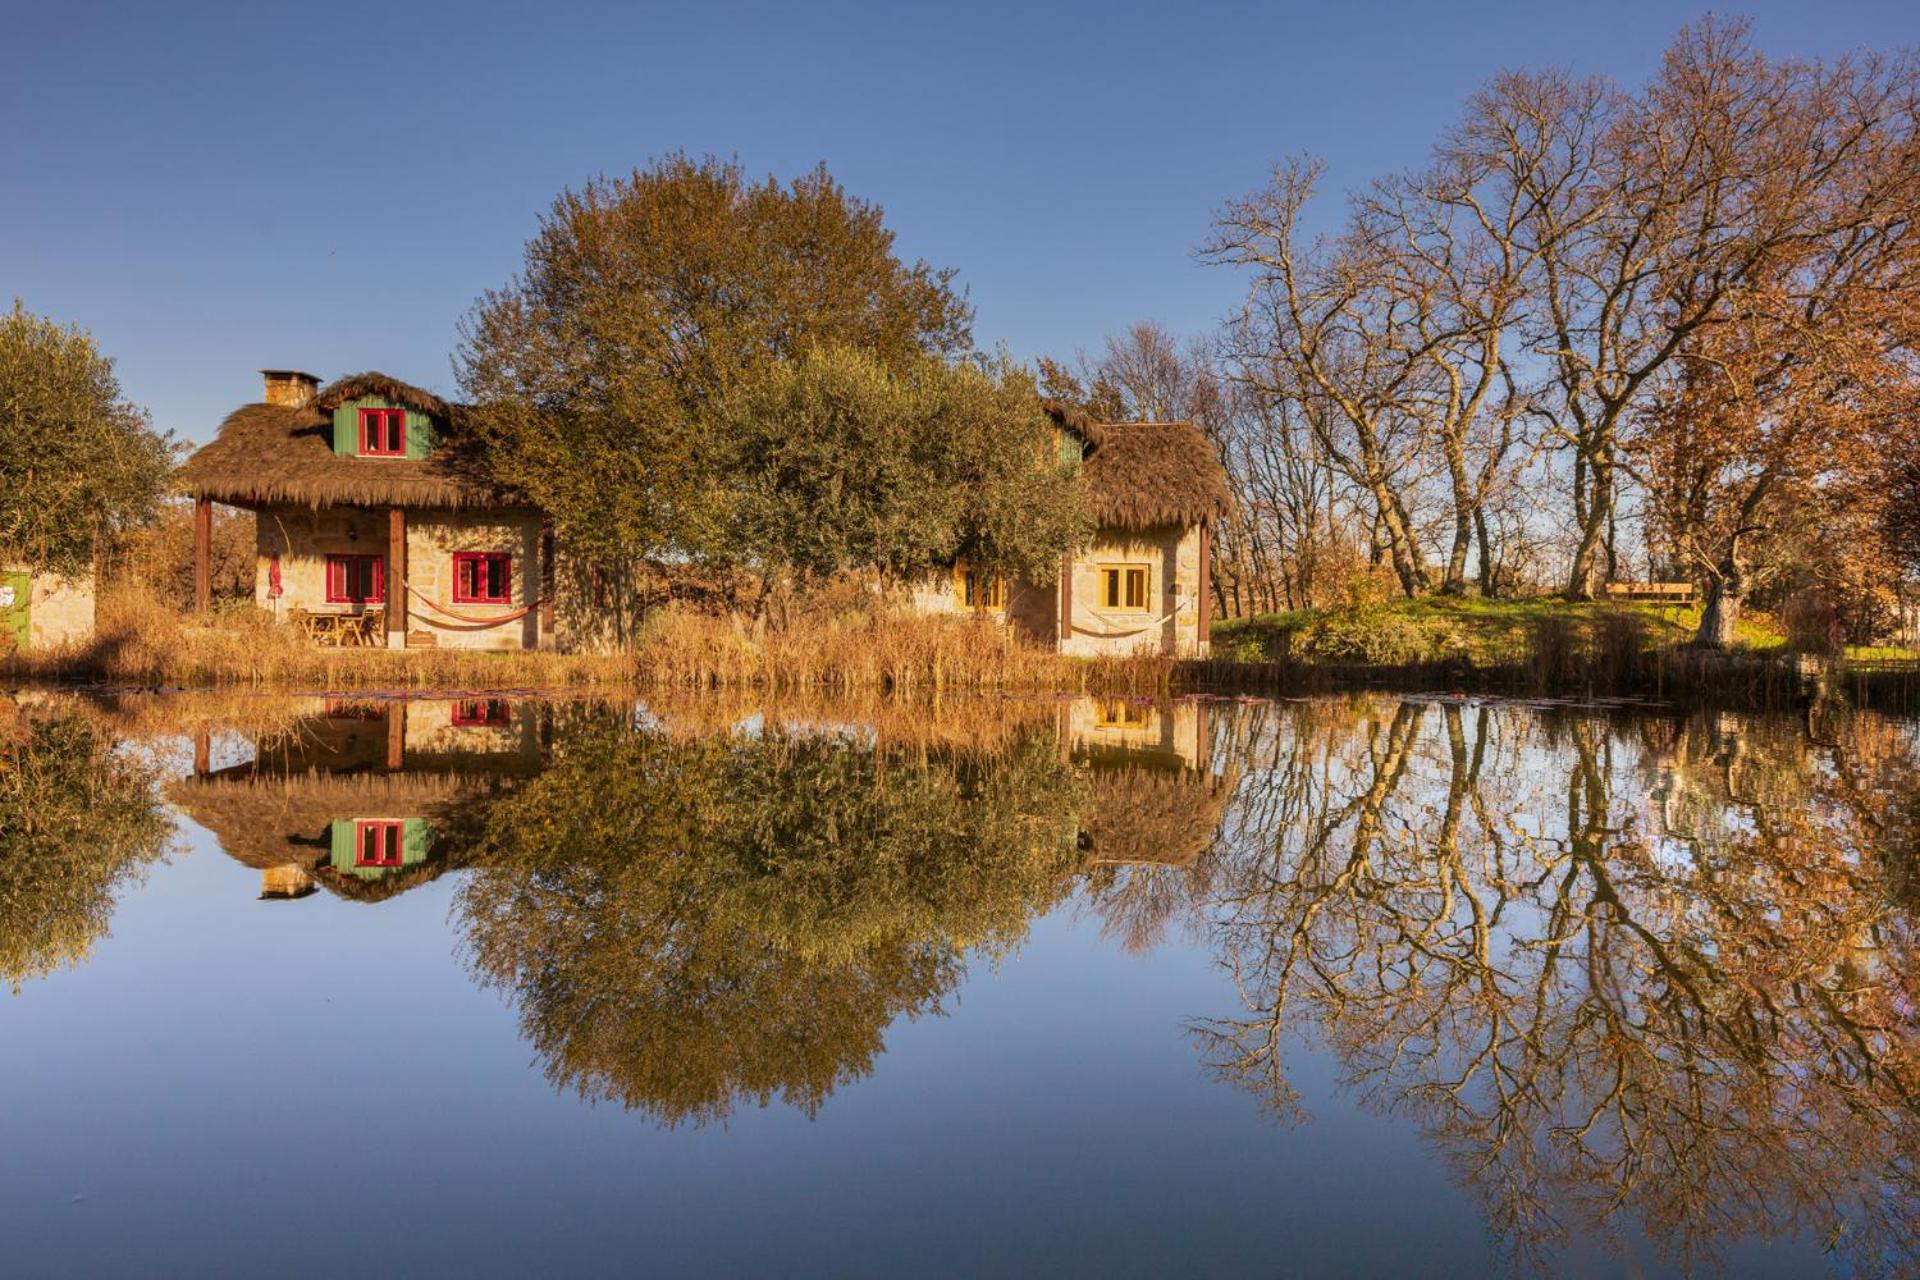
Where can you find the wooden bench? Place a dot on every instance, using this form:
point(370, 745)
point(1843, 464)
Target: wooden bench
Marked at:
point(1675, 592)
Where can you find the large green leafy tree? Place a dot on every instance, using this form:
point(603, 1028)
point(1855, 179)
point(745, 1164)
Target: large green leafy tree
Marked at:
point(597, 375)
point(841, 463)
point(81, 462)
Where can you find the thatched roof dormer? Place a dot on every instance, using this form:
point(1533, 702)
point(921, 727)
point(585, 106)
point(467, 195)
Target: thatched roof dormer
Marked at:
point(357, 386)
point(292, 449)
point(1146, 474)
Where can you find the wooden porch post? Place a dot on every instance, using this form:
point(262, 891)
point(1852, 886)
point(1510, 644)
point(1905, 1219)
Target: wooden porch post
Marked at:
point(1206, 580)
point(397, 734)
point(549, 583)
point(396, 574)
point(203, 554)
point(1066, 600)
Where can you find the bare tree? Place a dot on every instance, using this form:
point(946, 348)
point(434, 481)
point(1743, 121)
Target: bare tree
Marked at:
point(1324, 324)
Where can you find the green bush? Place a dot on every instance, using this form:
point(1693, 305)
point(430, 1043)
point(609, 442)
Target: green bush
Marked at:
point(1369, 635)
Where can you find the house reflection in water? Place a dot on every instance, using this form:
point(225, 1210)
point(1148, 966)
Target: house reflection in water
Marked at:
point(1152, 809)
point(362, 798)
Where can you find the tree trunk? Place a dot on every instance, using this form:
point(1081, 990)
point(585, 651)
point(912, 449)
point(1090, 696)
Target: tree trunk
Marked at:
point(1593, 524)
point(1725, 590)
point(1455, 582)
point(1394, 524)
point(1722, 610)
point(1486, 553)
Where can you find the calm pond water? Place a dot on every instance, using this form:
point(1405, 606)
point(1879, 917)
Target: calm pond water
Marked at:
point(1337, 987)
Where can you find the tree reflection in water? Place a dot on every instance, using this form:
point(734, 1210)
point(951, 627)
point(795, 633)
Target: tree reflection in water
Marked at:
point(1642, 966)
point(79, 820)
point(684, 923)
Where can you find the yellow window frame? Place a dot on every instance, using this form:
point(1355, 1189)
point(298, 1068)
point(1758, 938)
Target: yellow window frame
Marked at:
point(1119, 713)
point(1126, 588)
point(973, 589)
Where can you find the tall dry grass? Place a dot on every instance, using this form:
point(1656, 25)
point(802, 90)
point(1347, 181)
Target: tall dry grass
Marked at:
point(895, 653)
point(141, 640)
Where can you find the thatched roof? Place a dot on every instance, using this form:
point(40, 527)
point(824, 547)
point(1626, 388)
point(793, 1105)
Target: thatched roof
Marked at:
point(356, 385)
point(1162, 816)
point(271, 453)
point(1142, 474)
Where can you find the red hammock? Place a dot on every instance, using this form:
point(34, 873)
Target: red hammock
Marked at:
point(465, 617)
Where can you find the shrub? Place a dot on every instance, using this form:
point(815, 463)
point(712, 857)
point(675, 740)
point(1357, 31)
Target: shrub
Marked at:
point(1620, 637)
point(1553, 646)
point(1373, 636)
point(1811, 622)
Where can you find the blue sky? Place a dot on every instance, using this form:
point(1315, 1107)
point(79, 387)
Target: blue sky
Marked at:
point(212, 188)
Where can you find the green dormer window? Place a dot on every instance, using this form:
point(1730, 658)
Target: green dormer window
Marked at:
point(383, 433)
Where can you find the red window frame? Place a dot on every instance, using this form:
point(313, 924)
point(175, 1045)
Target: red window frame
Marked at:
point(343, 573)
point(387, 846)
point(483, 711)
point(475, 580)
point(383, 433)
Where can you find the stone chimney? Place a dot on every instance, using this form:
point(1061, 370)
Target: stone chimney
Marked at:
point(290, 388)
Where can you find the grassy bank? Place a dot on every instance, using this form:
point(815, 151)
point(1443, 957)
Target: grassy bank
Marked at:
point(1466, 632)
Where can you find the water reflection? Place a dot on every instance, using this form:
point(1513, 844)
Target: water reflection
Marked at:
point(79, 821)
point(686, 923)
point(1634, 972)
point(1645, 968)
point(364, 799)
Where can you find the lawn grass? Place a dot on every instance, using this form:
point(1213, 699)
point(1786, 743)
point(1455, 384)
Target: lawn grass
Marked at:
point(1466, 630)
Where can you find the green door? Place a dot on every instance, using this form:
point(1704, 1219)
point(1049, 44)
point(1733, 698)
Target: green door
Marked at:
point(16, 589)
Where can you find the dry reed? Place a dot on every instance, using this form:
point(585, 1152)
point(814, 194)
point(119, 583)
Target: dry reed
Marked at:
point(141, 640)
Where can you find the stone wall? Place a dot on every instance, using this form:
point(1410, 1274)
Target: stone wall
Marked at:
point(1141, 730)
point(60, 612)
point(303, 539)
point(432, 539)
point(1170, 623)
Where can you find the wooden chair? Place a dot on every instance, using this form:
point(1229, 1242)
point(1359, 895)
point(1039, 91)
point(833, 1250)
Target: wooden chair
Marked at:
point(308, 622)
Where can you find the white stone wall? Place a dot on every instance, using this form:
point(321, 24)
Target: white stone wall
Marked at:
point(1138, 726)
point(304, 538)
point(1171, 623)
point(59, 611)
point(432, 539)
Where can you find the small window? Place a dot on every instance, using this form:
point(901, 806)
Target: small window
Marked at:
point(1119, 713)
point(383, 433)
point(378, 844)
point(488, 711)
point(1123, 587)
point(482, 577)
point(356, 579)
point(976, 590)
